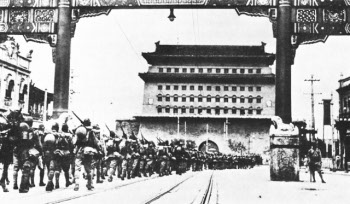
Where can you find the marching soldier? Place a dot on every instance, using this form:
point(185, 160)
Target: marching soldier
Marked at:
point(113, 155)
point(49, 148)
point(99, 157)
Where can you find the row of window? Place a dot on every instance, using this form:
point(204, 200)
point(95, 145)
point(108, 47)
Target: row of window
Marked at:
point(209, 98)
point(209, 110)
point(209, 70)
point(208, 88)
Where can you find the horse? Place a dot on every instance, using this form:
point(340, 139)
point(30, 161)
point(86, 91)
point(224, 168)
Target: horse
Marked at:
point(10, 133)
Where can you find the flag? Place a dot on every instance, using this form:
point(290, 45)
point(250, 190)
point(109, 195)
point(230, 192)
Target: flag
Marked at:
point(327, 111)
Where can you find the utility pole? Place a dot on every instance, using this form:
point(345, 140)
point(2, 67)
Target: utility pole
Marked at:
point(312, 80)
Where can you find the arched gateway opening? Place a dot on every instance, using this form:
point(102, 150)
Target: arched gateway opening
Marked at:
point(212, 146)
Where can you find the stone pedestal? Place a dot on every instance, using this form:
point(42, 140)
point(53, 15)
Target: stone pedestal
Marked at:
point(284, 162)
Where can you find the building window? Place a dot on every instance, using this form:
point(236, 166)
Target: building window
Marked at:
point(168, 70)
point(226, 71)
point(191, 109)
point(250, 88)
point(191, 98)
point(160, 70)
point(234, 110)
point(159, 97)
point(234, 99)
point(192, 88)
point(167, 87)
point(160, 87)
point(242, 88)
point(217, 99)
point(167, 98)
point(183, 109)
point(200, 88)
point(192, 70)
point(184, 70)
point(200, 110)
point(241, 99)
point(159, 109)
point(258, 88)
point(234, 88)
point(208, 110)
point(176, 70)
point(24, 92)
point(250, 110)
point(234, 71)
point(258, 111)
point(225, 88)
point(250, 99)
point(258, 99)
point(175, 111)
point(200, 99)
point(250, 71)
point(183, 98)
point(200, 70)
point(167, 109)
point(241, 111)
point(218, 71)
point(208, 98)
point(209, 70)
point(217, 88)
point(258, 71)
point(225, 110)
point(176, 98)
point(183, 88)
point(225, 98)
point(208, 88)
point(241, 71)
point(217, 110)
point(176, 87)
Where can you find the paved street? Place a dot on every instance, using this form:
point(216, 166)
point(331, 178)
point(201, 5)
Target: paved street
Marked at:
point(226, 186)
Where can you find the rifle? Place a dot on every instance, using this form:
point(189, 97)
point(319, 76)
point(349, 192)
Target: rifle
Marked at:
point(107, 127)
point(124, 135)
point(78, 118)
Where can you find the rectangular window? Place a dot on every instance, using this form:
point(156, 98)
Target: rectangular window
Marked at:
point(175, 110)
point(234, 111)
point(159, 98)
point(234, 71)
point(167, 110)
point(184, 70)
point(250, 71)
point(208, 99)
point(192, 70)
point(208, 88)
point(217, 88)
point(176, 87)
point(242, 111)
point(250, 100)
point(241, 88)
point(191, 110)
point(234, 100)
point(217, 100)
point(226, 100)
point(183, 88)
point(199, 111)
point(200, 99)
point(168, 70)
point(200, 88)
point(167, 98)
point(217, 111)
point(258, 112)
point(200, 70)
point(209, 111)
point(258, 88)
point(184, 99)
point(234, 88)
point(258, 100)
point(167, 87)
point(191, 99)
point(183, 110)
point(192, 88)
point(159, 110)
point(258, 71)
point(226, 71)
point(160, 70)
point(176, 70)
point(209, 70)
point(218, 71)
point(225, 88)
point(176, 99)
point(241, 71)
point(241, 100)
point(250, 112)
point(225, 111)
point(160, 87)
point(250, 88)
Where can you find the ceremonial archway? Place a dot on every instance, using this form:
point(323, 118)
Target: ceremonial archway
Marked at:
point(294, 22)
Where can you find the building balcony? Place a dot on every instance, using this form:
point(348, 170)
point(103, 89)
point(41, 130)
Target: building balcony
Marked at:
point(8, 102)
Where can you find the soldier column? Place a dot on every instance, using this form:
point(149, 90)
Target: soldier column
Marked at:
point(283, 61)
point(62, 69)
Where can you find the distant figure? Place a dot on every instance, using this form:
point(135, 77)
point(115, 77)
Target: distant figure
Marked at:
point(337, 161)
point(315, 162)
point(306, 163)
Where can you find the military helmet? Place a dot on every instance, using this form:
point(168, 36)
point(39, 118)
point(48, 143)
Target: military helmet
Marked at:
point(55, 126)
point(112, 134)
point(87, 122)
point(65, 127)
point(29, 121)
point(24, 127)
point(81, 132)
point(49, 139)
point(41, 127)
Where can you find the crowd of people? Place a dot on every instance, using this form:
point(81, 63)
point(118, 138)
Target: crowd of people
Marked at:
point(104, 157)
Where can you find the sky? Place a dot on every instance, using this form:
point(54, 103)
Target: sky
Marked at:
point(106, 58)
